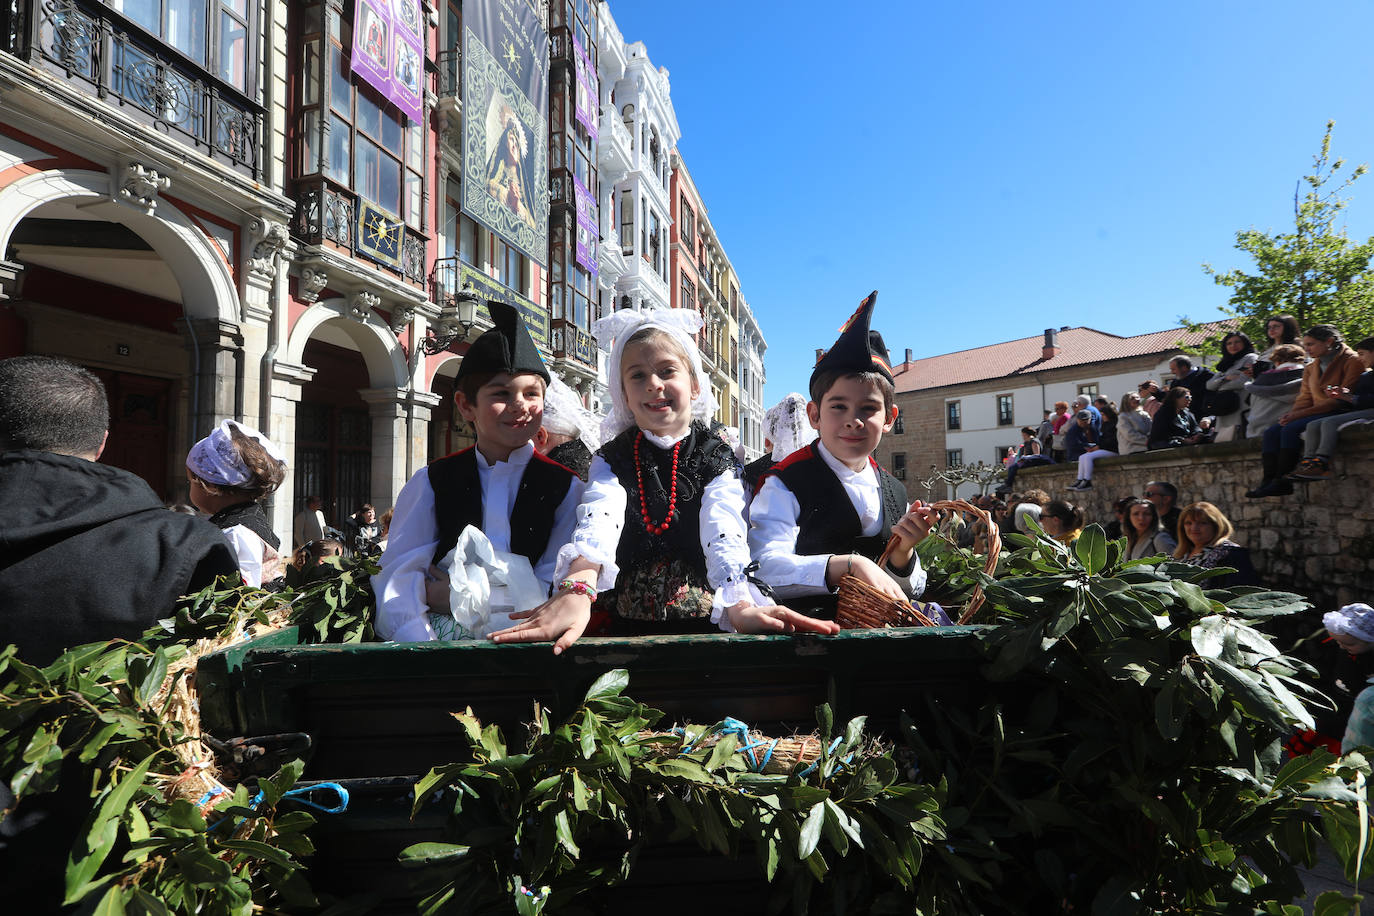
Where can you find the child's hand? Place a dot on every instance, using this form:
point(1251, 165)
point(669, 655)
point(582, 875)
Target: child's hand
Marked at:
point(912, 528)
point(562, 618)
point(865, 570)
point(437, 591)
point(772, 618)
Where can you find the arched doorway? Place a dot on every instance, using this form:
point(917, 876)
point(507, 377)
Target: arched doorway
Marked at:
point(333, 430)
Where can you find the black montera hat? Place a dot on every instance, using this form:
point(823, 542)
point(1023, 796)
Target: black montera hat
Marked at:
point(858, 349)
point(507, 347)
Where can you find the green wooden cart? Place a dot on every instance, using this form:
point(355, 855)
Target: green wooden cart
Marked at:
point(378, 715)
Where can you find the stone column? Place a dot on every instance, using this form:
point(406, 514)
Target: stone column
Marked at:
point(217, 370)
point(400, 427)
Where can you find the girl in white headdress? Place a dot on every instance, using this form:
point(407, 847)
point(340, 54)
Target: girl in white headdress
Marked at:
point(660, 543)
point(786, 429)
point(230, 470)
point(1352, 627)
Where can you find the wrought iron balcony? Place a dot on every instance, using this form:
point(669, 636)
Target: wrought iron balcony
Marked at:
point(571, 342)
point(100, 51)
point(325, 213)
point(449, 65)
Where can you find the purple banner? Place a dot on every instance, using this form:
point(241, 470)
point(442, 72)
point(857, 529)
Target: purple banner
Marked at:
point(588, 91)
point(587, 232)
point(389, 51)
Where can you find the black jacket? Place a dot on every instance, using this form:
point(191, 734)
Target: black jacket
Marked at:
point(87, 552)
point(1170, 429)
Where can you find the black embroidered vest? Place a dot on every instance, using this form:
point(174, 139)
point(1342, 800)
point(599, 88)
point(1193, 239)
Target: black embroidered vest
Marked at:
point(702, 458)
point(250, 516)
point(828, 521)
point(458, 501)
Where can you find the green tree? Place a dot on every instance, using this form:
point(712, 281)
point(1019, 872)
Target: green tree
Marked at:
point(1314, 272)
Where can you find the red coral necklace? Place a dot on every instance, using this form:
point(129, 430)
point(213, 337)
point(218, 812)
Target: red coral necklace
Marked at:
point(649, 526)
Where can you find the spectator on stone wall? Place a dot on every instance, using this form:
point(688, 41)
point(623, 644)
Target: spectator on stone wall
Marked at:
point(1271, 393)
point(1334, 366)
point(1175, 426)
point(1187, 375)
point(1060, 420)
point(1281, 330)
point(1132, 425)
point(1151, 396)
point(1204, 539)
point(1028, 455)
point(1357, 407)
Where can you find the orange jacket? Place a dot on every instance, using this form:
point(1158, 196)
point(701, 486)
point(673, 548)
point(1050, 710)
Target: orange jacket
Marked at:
point(1343, 370)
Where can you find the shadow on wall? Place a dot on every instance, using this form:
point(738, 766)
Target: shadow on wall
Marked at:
point(1318, 542)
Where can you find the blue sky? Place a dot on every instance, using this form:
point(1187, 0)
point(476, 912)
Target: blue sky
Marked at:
point(994, 169)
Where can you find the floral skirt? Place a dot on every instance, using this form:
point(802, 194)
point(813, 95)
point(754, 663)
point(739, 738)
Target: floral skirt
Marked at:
point(665, 590)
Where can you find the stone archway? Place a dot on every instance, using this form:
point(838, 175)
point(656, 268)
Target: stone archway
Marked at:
point(208, 290)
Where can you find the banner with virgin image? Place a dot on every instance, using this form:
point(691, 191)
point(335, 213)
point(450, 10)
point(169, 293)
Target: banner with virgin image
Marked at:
point(389, 51)
point(505, 184)
point(587, 232)
point(588, 91)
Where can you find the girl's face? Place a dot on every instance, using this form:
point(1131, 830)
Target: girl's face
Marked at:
point(1199, 530)
point(1234, 345)
point(1142, 519)
point(659, 387)
point(1275, 331)
point(1352, 644)
point(1316, 348)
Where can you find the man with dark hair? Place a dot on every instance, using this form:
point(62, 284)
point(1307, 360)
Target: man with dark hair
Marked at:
point(1186, 375)
point(87, 551)
point(1165, 497)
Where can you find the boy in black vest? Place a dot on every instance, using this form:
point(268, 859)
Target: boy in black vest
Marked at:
point(523, 502)
point(827, 510)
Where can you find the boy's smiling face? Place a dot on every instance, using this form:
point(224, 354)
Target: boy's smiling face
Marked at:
point(851, 419)
point(506, 414)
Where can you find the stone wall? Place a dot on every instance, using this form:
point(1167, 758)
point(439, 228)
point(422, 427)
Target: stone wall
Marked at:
point(1318, 542)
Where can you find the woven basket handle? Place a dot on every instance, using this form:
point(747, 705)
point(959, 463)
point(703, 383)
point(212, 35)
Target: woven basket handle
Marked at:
point(892, 543)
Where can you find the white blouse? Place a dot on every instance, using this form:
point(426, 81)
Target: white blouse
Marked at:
point(774, 518)
point(402, 612)
point(601, 518)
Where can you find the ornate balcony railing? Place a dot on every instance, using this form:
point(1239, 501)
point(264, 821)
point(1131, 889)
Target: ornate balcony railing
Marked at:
point(571, 342)
point(92, 46)
point(449, 65)
point(325, 213)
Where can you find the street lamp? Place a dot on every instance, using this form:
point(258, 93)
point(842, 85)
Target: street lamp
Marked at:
point(456, 318)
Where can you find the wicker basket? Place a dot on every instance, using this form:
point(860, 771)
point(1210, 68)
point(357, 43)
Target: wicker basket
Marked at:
point(861, 606)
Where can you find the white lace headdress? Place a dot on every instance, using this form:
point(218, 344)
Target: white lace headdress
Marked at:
point(787, 427)
point(1356, 620)
point(214, 459)
point(565, 415)
point(618, 327)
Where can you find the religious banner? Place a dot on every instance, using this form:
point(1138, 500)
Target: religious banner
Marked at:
point(587, 232)
point(505, 123)
point(389, 51)
point(378, 234)
point(588, 91)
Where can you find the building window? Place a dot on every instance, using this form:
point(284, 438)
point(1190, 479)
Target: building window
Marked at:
point(1006, 415)
point(1088, 389)
point(686, 223)
point(899, 465)
point(954, 458)
point(627, 222)
point(952, 416)
point(689, 293)
point(213, 34)
point(898, 427)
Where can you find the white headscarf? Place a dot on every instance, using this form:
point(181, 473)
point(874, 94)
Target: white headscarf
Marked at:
point(618, 327)
point(215, 459)
point(1355, 620)
point(565, 415)
point(786, 426)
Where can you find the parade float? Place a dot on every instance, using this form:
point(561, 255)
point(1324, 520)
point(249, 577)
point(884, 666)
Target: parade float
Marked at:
point(1101, 737)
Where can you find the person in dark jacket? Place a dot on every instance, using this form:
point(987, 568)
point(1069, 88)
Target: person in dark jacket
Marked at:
point(1175, 425)
point(87, 553)
point(1186, 375)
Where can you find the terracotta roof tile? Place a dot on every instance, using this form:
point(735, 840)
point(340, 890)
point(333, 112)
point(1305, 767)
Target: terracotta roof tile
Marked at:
point(1077, 347)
